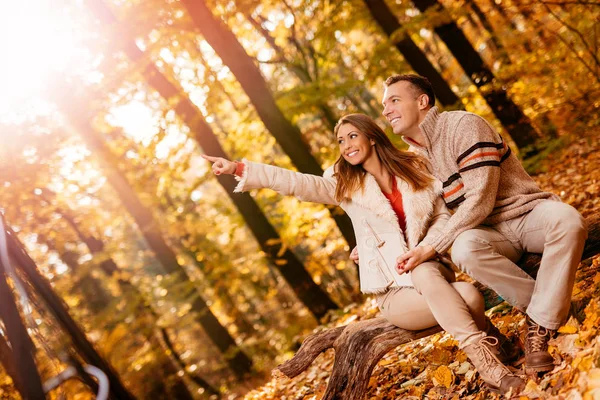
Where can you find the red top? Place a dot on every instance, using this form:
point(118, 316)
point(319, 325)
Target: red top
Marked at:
point(395, 197)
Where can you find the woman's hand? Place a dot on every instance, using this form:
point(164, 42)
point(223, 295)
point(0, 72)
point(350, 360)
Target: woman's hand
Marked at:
point(354, 255)
point(412, 258)
point(221, 165)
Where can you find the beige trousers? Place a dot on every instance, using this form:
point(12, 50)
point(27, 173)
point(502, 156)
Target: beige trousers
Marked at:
point(489, 254)
point(457, 307)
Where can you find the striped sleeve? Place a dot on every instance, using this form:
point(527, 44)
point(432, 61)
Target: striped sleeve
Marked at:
point(483, 154)
point(471, 192)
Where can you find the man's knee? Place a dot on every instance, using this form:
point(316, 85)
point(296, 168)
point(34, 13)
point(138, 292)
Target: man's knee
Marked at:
point(568, 220)
point(464, 246)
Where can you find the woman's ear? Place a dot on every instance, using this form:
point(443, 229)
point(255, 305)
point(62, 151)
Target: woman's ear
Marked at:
point(372, 142)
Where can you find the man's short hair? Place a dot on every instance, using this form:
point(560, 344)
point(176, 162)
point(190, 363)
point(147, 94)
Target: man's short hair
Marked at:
point(420, 84)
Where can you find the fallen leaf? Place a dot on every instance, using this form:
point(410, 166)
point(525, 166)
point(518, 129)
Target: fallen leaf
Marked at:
point(443, 376)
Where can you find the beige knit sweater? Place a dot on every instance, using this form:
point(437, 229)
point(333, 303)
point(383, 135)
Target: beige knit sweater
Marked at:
point(483, 182)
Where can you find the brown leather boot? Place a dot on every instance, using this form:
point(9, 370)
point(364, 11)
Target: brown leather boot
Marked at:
point(506, 351)
point(495, 374)
point(537, 358)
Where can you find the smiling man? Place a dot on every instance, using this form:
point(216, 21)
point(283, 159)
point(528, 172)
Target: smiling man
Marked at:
point(499, 212)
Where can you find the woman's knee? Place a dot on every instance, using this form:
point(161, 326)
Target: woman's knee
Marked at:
point(470, 295)
point(425, 274)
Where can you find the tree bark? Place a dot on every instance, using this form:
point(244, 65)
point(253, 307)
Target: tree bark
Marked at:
point(289, 136)
point(21, 358)
point(411, 52)
point(311, 295)
point(508, 113)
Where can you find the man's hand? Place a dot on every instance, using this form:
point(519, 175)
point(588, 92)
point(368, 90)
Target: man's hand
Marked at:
point(221, 165)
point(354, 255)
point(409, 260)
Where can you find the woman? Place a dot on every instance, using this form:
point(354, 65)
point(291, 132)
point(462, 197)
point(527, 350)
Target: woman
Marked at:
point(394, 207)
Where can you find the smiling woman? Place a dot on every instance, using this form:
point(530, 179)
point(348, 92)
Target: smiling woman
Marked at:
point(37, 40)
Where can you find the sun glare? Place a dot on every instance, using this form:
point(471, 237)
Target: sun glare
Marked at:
point(37, 40)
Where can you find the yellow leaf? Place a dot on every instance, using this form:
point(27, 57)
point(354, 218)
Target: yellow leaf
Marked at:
point(567, 329)
point(443, 376)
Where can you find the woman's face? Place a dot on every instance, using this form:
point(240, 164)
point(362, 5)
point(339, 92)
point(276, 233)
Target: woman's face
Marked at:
point(355, 147)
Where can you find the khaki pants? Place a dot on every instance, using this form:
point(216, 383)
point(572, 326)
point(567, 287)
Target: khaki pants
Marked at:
point(489, 254)
point(457, 307)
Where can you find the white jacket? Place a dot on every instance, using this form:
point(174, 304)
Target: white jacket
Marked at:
point(378, 234)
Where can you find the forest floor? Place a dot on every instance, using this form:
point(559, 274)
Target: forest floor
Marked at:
point(434, 367)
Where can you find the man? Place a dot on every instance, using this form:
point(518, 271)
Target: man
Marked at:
point(498, 212)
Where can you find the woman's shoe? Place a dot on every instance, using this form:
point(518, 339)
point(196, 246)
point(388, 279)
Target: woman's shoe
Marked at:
point(506, 351)
point(495, 374)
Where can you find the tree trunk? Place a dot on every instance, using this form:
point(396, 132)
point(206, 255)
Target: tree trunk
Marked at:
point(239, 362)
point(328, 115)
point(411, 52)
point(508, 113)
point(497, 45)
point(60, 312)
point(21, 358)
point(110, 268)
point(311, 295)
point(289, 136)
point(7, 360)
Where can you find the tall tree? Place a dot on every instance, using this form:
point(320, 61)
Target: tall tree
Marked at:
point(508, 113)
point(61, 313)
point(288, 264)
point(288, 135)
point(411, 52)
point(79, 118)
point(158, 338)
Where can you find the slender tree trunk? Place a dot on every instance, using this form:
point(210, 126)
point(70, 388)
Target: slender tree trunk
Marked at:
point(87, 286)
point(515, 29)
point(507, 112)
point(497, 45)
point(239, 362)
point(328, 115)
point(289, 136)
point(60, 312)
point(7, 360)
point(21, 358)
point(313, 297)
point(110, 268)
point(411, 52)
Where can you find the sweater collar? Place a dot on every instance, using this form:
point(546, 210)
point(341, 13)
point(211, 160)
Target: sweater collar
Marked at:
point(428, 127)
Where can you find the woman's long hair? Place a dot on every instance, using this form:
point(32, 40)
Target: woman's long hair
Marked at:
point(406, 165)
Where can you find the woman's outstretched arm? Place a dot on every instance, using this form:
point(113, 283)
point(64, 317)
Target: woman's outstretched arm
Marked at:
point(305, 187)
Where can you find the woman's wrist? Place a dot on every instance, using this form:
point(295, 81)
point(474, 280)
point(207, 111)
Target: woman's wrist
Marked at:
point(238, 169)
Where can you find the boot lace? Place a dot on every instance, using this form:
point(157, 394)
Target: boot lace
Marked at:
point(495, 368)
point(537, 338)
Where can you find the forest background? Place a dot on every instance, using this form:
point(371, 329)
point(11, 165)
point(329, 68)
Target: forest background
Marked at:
point(184, 289)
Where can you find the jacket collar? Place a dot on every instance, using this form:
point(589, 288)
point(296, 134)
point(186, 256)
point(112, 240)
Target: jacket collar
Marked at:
point(418, 206)
point(429, 127)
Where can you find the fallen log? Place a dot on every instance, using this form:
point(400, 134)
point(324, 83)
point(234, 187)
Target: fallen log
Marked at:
point(360, 345)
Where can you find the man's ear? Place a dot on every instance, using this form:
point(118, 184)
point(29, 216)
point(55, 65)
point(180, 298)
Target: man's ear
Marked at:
point(423, 101)
point(372, 142)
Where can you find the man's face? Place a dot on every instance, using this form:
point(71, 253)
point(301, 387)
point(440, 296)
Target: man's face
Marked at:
point(401, 108)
